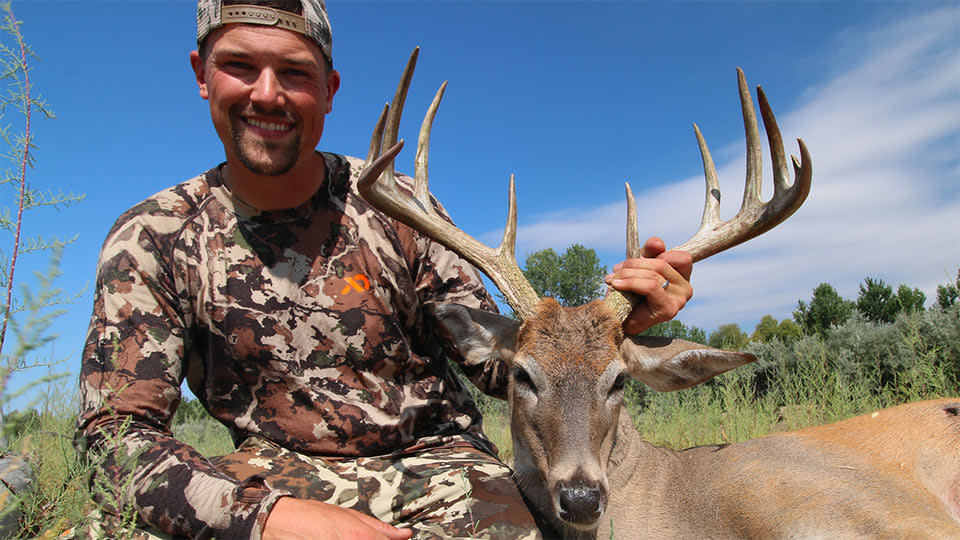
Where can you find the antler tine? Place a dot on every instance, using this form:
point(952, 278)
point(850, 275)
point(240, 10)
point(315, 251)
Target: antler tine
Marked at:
point(711, 201)
point(621, 302)
point(752, 186)
point(418, 212)
point(797, 193)
point(755, 216)
point(633, 231)
point(377, 137)
point(396, 107)
point(420, 187)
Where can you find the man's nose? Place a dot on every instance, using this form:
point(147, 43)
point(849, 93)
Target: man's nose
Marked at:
point(267, 89)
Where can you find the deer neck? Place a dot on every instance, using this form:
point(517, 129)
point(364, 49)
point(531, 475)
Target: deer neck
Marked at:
point(640, 475)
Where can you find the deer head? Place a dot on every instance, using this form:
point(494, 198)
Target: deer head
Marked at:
point(569, 365)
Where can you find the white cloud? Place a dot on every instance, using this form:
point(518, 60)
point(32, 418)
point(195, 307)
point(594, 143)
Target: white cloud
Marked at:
point(884, 134)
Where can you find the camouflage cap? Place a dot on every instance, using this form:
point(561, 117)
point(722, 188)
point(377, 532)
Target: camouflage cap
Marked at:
point(314, 23)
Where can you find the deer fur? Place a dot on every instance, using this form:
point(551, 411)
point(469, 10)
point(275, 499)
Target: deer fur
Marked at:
point(894, 473)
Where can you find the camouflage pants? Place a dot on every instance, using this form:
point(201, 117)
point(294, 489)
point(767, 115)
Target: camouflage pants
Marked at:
point(440, 493)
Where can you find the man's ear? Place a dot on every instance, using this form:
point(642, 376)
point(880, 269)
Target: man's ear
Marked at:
point(333, 84)
point(200, 72)
point(672, 364)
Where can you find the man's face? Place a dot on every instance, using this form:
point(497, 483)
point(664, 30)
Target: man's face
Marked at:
point(269, 91)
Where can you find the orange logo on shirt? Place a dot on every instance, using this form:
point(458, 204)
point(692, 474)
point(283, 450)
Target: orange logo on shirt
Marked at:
point(359, 283)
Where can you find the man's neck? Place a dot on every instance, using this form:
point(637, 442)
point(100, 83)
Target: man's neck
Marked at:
point(281, 192)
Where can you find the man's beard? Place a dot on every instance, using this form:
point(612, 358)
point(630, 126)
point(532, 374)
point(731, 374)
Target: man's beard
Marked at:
point(289, 152)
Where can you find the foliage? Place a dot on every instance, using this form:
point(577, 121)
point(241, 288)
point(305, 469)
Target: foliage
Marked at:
point(29, 314)
point(193, 425)
point(32, 333)
point(827, 308)
point(910, 300)
point(677, 330)
point(728, 336)
point(190, 410)
point(948, 294)
point(876, 301)
point(573, 278)
point(768, 329)
point(60, 498)
point(19, 423)
point(811, 381)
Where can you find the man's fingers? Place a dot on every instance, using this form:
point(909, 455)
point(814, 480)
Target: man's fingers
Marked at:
point(653, 247)
point(657, 269)
point(384, 528)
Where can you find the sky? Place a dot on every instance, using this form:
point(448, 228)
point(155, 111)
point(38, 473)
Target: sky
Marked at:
point(574, 98)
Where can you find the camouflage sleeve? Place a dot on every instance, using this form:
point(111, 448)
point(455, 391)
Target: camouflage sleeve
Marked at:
point(132, 368)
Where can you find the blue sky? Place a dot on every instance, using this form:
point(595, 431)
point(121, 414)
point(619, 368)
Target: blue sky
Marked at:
point(572, 97)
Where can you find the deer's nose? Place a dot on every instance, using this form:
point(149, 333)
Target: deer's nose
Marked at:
point(580, 504)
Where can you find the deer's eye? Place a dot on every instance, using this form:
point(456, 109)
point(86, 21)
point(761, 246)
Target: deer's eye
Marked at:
point(522, 380)
point(618, 384)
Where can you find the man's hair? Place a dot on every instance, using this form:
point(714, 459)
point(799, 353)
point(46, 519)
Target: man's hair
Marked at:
point(290, 6)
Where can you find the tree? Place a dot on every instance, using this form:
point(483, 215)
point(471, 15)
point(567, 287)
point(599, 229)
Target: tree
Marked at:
point(948, 294)
point(876, 301)
point(768, 329)
point(910, 300)
point(827, 308)
point(788, 330)
point(677, 330)
point(728, 336)
point(573, 278)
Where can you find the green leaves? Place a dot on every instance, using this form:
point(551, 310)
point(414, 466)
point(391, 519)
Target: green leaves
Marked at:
point(573, 278)
point(827, 308)
point(948, 294)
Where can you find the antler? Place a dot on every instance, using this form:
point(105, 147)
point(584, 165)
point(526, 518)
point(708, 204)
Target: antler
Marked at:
point(755, 217)
point(377, 183)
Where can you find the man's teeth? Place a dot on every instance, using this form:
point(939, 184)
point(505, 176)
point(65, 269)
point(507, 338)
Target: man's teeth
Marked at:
point(268, 125)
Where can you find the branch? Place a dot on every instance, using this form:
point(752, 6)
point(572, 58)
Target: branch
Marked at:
point(15, 30)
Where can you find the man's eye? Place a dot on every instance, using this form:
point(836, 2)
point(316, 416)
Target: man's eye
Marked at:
point(238, 66)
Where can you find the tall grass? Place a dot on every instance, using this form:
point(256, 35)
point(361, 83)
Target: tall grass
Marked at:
point(812, 381)
point(60, 496)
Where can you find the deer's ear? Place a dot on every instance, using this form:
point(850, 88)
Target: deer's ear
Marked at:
point(478, 335)
point(672, 364)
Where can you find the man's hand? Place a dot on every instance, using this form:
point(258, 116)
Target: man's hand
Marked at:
point(646, 277)
point(293, 518)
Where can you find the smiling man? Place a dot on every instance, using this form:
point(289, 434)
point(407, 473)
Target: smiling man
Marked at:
point(299, 317)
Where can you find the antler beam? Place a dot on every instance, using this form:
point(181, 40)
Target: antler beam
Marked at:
point(378, 185)
point(755, 216)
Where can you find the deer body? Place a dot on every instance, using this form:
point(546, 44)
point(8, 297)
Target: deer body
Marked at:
point(894, 473)
point(842, 480)
point(580, 461)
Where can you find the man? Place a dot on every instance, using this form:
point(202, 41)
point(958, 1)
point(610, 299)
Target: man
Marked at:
point(297, 314)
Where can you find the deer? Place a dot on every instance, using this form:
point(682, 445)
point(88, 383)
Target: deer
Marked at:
point(579, 459)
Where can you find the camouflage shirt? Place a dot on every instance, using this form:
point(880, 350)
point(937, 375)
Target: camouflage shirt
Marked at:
point(310, 327)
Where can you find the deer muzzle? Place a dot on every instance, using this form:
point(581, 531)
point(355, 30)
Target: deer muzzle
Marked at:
point(580, 502)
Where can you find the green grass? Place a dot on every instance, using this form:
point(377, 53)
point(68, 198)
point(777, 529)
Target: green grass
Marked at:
point(60, 498)
point(207, 436)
